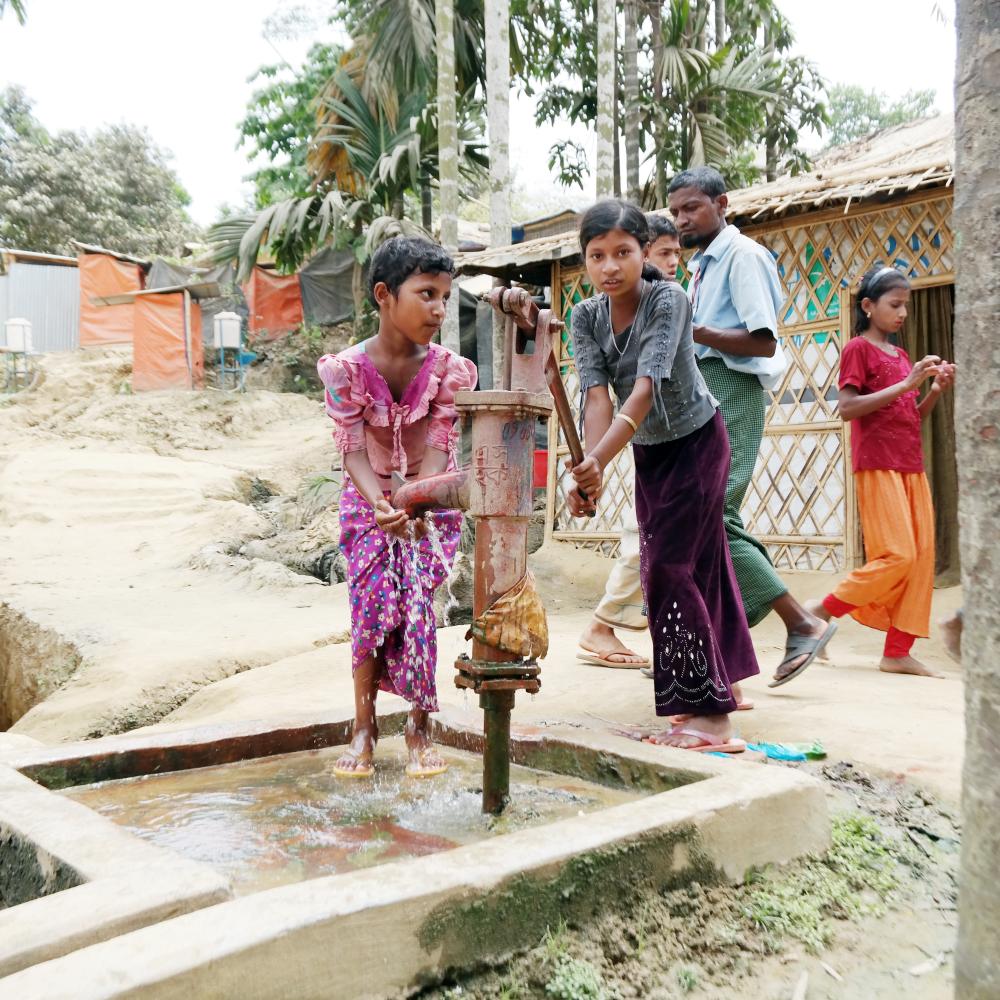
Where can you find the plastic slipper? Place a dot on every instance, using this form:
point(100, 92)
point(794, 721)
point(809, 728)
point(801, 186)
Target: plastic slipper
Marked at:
point(799, 644)
point(422, 769)
point(358, 772)
point(597, 660)
point(708, 742)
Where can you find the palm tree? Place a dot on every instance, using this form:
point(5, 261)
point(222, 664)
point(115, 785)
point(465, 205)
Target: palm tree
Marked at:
point(606, 99)
point(630, 57)
point(712, 101)
point(376, 164)
point(447, 152)
point(977, 960)
point(498, 112)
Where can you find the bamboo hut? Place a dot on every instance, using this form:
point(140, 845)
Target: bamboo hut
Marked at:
point(884, 198)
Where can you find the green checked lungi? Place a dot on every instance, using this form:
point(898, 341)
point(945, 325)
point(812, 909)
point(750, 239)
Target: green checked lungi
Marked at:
point(742, 403)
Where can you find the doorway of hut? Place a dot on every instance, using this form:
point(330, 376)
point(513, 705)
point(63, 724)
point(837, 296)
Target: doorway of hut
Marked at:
point(930, 329)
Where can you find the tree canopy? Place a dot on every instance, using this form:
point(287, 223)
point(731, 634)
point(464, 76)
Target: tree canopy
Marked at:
point(280, 123)
point(856, 112)
point(114, 188)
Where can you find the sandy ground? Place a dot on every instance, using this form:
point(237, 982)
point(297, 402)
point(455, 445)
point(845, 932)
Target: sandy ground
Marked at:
point(117, 515)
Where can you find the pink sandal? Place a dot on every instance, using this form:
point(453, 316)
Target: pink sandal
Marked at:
point(708, 742)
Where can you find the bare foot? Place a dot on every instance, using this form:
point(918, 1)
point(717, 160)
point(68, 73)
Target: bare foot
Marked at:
point(906, 665)
point(600, 639)
point(951, 632)
point(718, 726)
point(360, 751)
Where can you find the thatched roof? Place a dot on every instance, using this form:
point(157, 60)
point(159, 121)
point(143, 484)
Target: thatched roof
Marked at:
point(893, 161)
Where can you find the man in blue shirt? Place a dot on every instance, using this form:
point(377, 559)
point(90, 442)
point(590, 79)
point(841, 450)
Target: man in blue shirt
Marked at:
point(736, 293)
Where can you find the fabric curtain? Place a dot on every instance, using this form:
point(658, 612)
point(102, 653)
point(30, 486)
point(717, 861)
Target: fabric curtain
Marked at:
point(929, 329)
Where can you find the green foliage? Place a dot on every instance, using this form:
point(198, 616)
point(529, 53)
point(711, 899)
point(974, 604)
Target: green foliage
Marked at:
point(17, 6)
point(280, 122)
point(718, 100)
point(851, 881)
point(512, 989)
point(574, 979)
point(687, 977)
point(556, 941)
point(114, 188)
point(856, 112)
point(368, 142)
point(395, 47)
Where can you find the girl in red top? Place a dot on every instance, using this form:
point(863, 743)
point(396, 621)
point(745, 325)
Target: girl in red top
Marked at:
point(879, 395)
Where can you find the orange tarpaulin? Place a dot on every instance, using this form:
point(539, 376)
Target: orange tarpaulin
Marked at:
point(167, 351)
point(102, 274)
point(274, 302)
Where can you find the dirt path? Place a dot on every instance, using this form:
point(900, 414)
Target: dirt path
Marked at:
point(120, 517)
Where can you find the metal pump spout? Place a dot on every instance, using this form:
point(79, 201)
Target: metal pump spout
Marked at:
point(447, 491)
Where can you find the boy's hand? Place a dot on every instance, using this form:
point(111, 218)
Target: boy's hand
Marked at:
point(589, 476)
point(579, 507)
point(390, 520)
point(922, 371)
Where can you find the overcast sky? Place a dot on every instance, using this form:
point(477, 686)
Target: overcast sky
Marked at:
point(182, 70)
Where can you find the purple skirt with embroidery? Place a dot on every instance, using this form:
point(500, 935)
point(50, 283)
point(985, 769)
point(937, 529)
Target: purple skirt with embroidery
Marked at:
point(701, 642)
point(391, 583)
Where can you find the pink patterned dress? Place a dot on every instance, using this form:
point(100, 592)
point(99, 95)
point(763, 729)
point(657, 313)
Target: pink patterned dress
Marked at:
point(391, 582)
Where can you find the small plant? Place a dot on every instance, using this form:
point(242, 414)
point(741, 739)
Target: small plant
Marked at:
point(575, 979)
point(313, 335)
point(511, 989)
point(687, 977)
point(556, 942)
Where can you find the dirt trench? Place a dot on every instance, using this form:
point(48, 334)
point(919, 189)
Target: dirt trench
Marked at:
point(34, 662)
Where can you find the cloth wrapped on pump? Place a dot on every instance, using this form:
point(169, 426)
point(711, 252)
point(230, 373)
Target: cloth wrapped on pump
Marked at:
point(515, 622)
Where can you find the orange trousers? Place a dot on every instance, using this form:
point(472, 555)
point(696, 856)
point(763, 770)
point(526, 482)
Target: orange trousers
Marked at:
point(892, 591)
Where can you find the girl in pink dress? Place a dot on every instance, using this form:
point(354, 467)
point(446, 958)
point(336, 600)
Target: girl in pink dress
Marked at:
point(392, 402)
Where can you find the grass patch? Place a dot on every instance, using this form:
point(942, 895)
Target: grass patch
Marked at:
point(687, 977)
point(850, 881)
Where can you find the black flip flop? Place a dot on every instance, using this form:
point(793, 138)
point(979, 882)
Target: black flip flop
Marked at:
point(799, 644)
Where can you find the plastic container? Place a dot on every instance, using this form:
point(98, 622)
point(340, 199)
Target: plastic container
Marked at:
point(540, 475)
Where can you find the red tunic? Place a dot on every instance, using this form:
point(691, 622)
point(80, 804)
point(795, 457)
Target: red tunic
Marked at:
point(888, 438)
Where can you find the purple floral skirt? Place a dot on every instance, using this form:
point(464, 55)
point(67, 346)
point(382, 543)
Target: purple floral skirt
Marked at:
point(391, 583)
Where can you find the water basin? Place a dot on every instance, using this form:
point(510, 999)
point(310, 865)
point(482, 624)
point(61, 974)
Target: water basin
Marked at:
point(271, 821)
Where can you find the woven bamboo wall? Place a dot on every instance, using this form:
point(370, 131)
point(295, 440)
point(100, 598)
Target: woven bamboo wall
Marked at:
point(800, 502)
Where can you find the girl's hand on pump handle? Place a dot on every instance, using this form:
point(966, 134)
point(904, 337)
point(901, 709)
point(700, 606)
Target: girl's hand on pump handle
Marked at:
point(589, 476)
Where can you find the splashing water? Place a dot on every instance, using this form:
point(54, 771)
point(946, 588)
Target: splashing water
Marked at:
point(434, 537)
point(275, 820)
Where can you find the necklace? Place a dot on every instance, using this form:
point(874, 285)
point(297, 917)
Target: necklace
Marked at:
point(884, 348)
point(622, 350)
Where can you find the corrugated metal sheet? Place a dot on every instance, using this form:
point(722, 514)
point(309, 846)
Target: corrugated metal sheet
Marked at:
point(47, 295)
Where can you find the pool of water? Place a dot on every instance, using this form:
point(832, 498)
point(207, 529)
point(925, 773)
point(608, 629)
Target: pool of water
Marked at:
point(274, 820)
